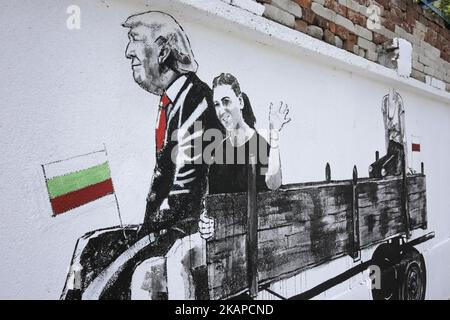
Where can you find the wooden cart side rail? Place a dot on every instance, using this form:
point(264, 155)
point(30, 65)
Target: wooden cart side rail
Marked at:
point(303, 226)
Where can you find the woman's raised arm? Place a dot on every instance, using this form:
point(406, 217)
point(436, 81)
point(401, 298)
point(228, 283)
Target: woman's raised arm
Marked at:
point(278, 117)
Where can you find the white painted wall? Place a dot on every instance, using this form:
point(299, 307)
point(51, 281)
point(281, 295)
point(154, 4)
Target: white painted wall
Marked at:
point(67, 92)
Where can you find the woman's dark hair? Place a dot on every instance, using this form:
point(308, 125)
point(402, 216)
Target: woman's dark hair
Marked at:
point(230, 80)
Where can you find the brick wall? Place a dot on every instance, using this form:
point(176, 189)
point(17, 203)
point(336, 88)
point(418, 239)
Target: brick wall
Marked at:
point(348, 24)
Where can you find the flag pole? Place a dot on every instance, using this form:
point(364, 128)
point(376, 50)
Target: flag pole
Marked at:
point(117, 201)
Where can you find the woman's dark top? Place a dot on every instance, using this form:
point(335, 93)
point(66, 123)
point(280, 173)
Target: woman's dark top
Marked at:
point(228, 172)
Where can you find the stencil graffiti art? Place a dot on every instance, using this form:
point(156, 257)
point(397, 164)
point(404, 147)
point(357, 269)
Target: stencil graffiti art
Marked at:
point(219, 223)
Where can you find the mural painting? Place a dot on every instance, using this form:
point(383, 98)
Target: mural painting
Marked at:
point(219, 223)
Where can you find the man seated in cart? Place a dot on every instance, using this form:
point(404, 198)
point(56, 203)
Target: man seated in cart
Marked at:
point(396, 159)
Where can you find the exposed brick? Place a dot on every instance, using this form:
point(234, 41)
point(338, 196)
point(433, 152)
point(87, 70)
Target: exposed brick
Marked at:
point(434, 18)
point(366, 44)
point(428, 15)
point(315, 32)
point(379, 38)
point(408, 26)
point(397, 15)
point(356, 17)
point(433, 26)
point(353, 5)
point(423, 20)
point(447, 35)
point(308, 15)
point(304, 3)
point(301, 25)
point(404, 34)
point(400, 4)
point(343, 23)
point(349, 44)
point(323, 12)
point(411, 14)
point(387, 33)
point(420, 27)
point(442, 33)
point(431, 37)
point(363, 32)
point(439, 41)
point(328, 36)
point(288, 6)
point(343, 33)
point(388, 24)
point(278, 15)
point(332, 27)
point(384, 3)
point(336, 7)
point(322, 22)
point(419, 10)
point(445, 46)
point(409, 22)
point(445, 56)
point(346, 23)
point(388, 21)
point(353, 37)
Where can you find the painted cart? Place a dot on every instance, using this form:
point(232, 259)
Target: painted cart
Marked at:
point(261, 238)
point(265, 237)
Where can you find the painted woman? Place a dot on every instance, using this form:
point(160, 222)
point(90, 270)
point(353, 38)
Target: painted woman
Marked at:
point(243, 146)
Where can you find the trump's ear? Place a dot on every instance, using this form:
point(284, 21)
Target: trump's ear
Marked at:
point(164, 54)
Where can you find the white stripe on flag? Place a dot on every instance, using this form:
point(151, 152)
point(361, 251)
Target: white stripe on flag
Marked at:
point(74, 164)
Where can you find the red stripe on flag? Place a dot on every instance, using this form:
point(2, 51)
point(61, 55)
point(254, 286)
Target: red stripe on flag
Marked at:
point(416, 147)
point(77, 198)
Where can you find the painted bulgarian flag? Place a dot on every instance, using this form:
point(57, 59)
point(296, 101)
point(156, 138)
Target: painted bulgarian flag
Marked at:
point(415, 147)
point(416, 156)
point(415, 143)
point(76, 181)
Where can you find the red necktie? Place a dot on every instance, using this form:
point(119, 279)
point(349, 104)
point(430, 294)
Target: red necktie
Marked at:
point(160, 132)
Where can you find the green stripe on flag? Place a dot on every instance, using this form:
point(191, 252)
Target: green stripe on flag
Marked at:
point(74, 181)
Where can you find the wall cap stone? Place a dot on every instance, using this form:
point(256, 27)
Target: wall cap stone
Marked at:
point(249, 5)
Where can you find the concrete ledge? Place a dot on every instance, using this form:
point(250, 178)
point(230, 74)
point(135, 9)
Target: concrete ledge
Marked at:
point(249, 5)
point(256, 28)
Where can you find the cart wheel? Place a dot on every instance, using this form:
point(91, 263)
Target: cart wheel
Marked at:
point(386, 257)
point(413, 276)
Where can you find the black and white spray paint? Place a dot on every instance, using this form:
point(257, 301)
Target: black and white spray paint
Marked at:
point(257, 230)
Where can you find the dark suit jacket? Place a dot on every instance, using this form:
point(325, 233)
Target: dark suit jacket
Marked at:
point(184, 185)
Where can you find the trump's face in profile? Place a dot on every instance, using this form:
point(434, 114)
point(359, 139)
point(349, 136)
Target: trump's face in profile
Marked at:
point(143, 52)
